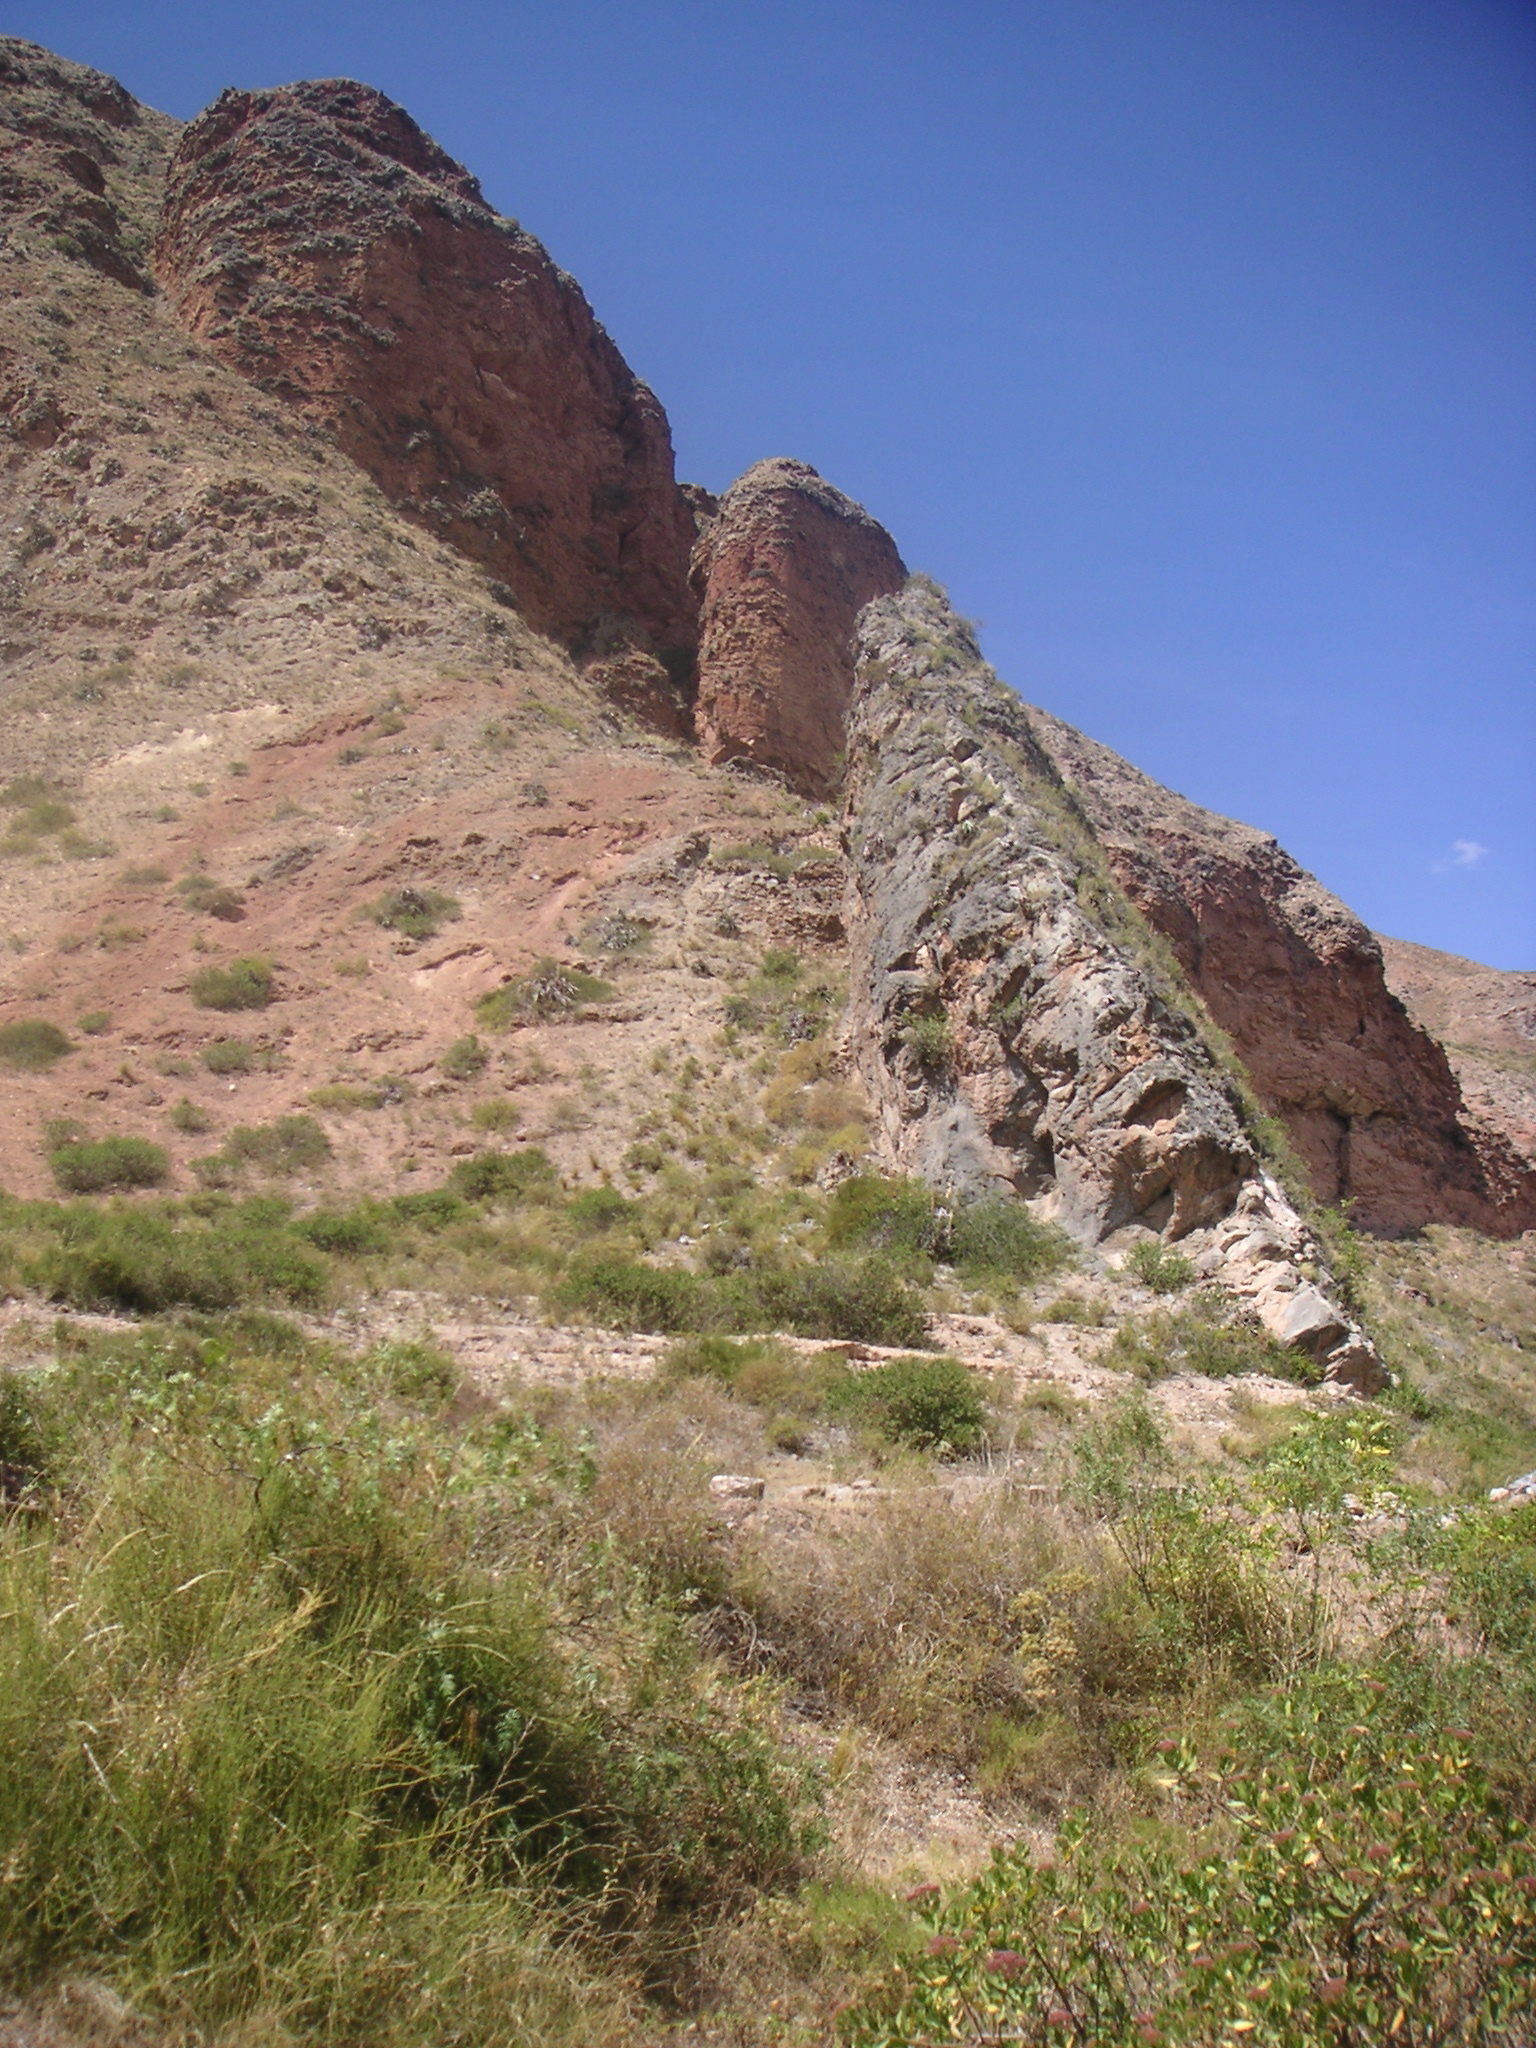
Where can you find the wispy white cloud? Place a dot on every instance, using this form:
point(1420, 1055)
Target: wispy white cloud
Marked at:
point(1465, 853)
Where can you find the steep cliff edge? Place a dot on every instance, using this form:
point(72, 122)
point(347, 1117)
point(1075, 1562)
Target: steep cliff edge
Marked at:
point(1297, 982)
point(330, 251)
point(1485, 1017)
point(1009, 1015)
point(782, 572)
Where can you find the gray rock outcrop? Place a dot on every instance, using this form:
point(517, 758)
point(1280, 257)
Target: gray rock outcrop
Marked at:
point(1018, 1026)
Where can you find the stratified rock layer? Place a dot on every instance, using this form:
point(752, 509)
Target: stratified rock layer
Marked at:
point(1297, 983)
point(1009, 1015)
point(782, 574)
point(330, 251)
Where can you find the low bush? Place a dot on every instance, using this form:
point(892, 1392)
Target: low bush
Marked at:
point(924, 1404)
point(87, 1166)
point(859, 1301)
point(521, 1176)
point(414, 913)
point(291, 1144)
point(246, 984)
point(131, 1259)
point(548, 991)
point(1156, 1266)
point(464, 1059)
point(1355, 1885)
point(996, 1239)
point(228, 1056)
point(336, 1779)
point(32, 1043)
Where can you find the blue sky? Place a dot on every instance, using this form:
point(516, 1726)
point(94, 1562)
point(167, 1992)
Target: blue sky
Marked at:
point(1192, 343)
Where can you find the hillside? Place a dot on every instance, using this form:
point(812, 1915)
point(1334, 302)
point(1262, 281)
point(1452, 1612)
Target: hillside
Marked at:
point(739, 1265)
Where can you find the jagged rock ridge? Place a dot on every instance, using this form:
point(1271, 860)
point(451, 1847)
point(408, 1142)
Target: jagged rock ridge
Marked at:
point(1297, 982)
point(335, 255)
point(1001, 1020)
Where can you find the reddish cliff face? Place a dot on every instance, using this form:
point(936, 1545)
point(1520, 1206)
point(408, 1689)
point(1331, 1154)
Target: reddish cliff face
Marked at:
point(783, 572)
point(331, 252)
point(1297, 983)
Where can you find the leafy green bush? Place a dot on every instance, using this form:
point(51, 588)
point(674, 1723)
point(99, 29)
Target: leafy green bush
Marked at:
point(861, 1301)
point(94, 1022)
point(994, 1238)
point(1362, 1885)
point(598, 1208)
point(1155, 1266)
point(101, 1165)
point(32, 1043)
point(930, 1039)
point(187, 1117)
point(925, 1404)
point(290, 1144)
point(228, 1056)
point(414, 913)
point(350, 1233)
point(131, 1259)
point(547, 991)
point(464, 1059)
point(527, 1175)
point(247, 984)
point(890, 1215)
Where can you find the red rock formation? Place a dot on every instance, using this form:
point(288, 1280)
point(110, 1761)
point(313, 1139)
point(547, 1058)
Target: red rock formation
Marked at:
point(1296, 981)
point(334, 254)
point(783, 572)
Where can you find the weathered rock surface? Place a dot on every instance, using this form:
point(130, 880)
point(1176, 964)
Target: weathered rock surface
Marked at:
point(1003, 1023)
point(73, 143)
point(1297, 983)
point(1485, 1017)
point(335, 255)
point(782, 572)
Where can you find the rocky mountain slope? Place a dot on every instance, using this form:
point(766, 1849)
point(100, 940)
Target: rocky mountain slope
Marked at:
point(347, 568)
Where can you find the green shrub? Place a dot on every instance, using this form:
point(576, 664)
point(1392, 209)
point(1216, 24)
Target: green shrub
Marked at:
point(862, 1302)
point(527, 1175)
point(891, 1215)
point(247, 984)
point(599, 1208)
point(331, 1773)
point(186, 1116)
point(129, 1259)
point(351, 1233)
point(547, 991)
point(414, 913)
point(464, 1059)
point(291, 1144)
point(342, 1097)
point(994, 1238)
point(228, 1056)
point(1358, 1881)
point(31, 1043)
point(926, 1404)
point(432, 1209)
point(930, 1040)
point(1157, 1267)
point(101, 1165)
point(94, 1022)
